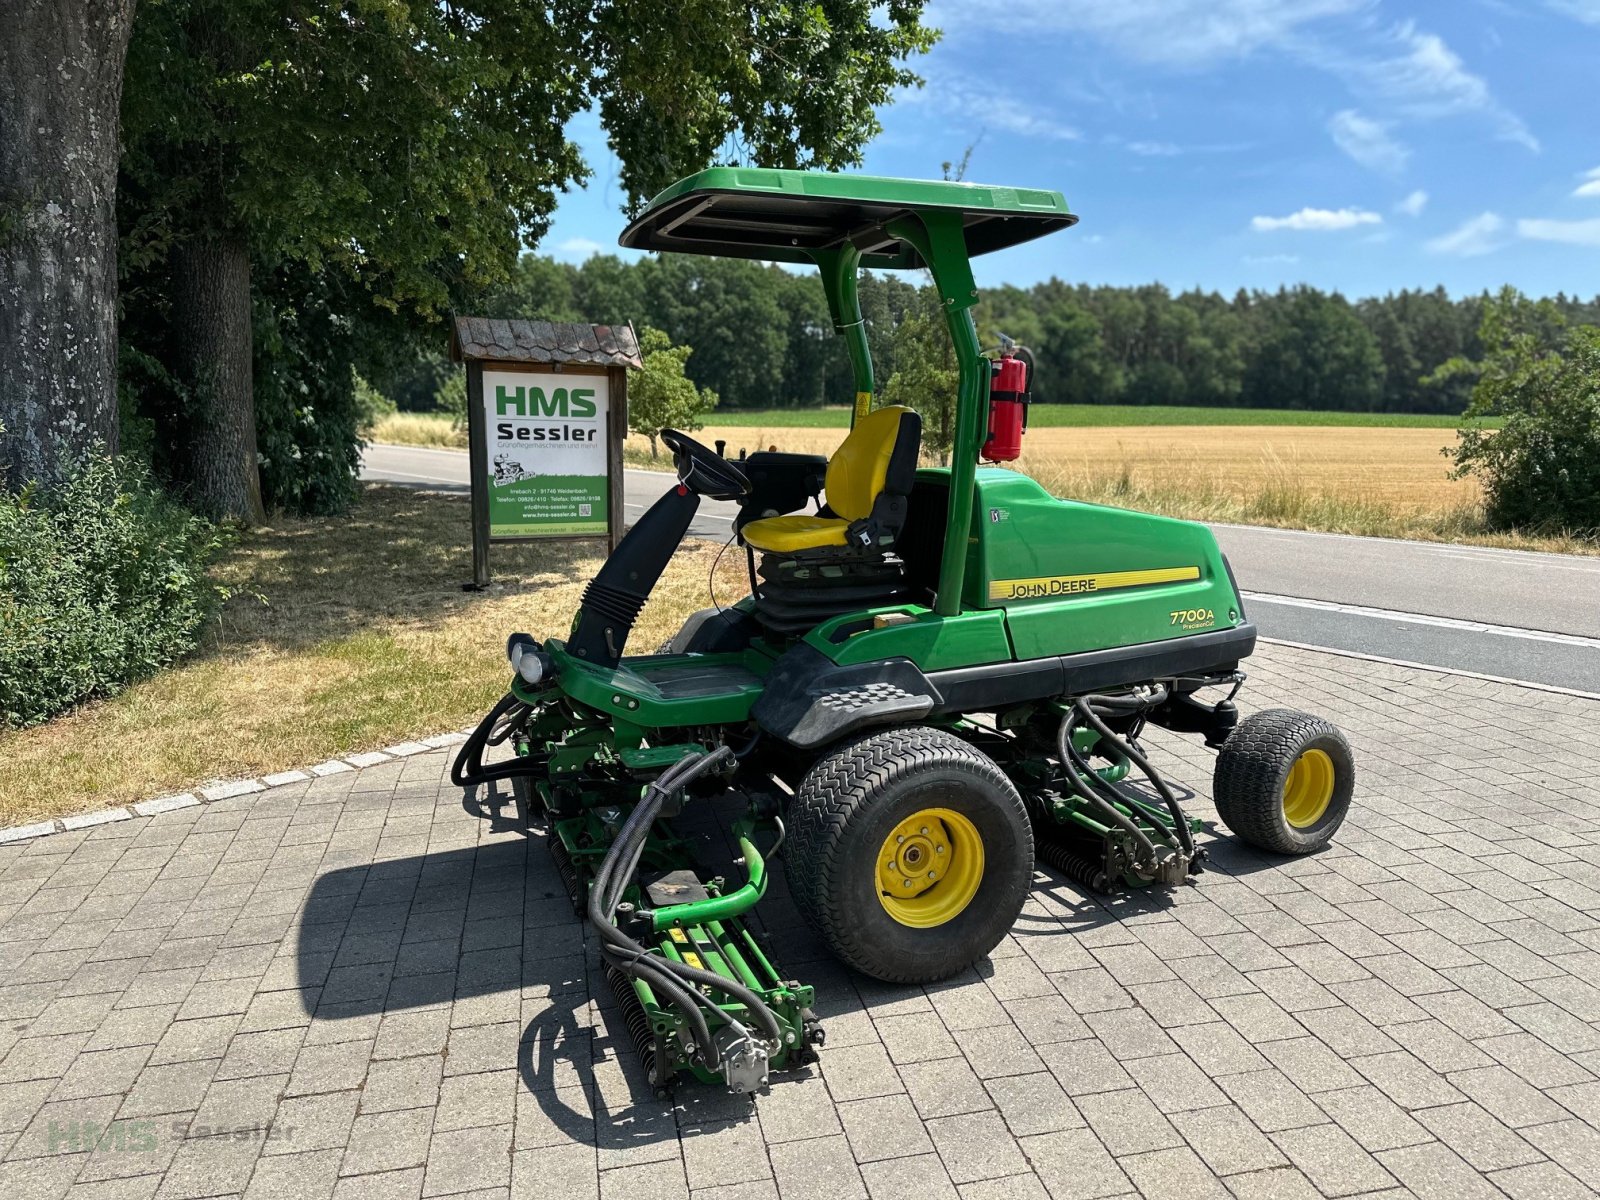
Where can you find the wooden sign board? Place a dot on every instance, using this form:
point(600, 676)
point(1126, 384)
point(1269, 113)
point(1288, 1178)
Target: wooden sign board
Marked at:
point(547, 414)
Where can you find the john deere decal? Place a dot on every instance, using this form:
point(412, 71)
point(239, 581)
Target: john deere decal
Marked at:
point(1073, 585)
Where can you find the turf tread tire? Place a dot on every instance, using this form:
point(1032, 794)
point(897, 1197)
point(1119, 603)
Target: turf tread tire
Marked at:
point(827, 815)
point(1253, 765)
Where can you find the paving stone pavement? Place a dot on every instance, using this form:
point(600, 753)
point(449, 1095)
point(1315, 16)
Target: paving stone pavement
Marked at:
point(366, 985)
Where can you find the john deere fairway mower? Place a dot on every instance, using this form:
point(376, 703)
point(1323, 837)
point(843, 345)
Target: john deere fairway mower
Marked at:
point(940, 673)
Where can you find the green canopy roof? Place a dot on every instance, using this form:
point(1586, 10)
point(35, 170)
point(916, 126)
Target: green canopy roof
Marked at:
point(747, 212)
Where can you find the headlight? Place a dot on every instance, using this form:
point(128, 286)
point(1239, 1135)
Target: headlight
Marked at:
point(528, 660)
point(529, 664)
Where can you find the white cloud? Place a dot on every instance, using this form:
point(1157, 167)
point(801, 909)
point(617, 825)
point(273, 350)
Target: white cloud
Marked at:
point(1321, 220)
point(1155, 149)
point(1368, 142)
point(1571, 233)
point(1012, 116)
point(1177, 32)
point(1261, 260)
point(1427, 79)
point(978, 101)
point(1474, 236)
point(1591, 184)
point(1398, 70)
point(1159, 149)
point(1583, 10)
point(578, 248)
point(1413, 204)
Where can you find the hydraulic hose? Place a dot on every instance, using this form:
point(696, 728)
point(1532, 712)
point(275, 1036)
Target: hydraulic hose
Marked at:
point(1085, 706)
point(609, 884)
point(765, 1017)
point(1082, 787)
point(669, 990)
point(627, 955)
point(628, 846)
point(468, 769)
point(677, 982)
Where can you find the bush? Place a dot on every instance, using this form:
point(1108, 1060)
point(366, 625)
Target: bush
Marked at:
point(451, 398)
point(661, 396)
point(102, 581)
point(371, 404)
point(1541, 469)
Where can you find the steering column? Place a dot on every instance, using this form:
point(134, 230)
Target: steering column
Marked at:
point(613, 599)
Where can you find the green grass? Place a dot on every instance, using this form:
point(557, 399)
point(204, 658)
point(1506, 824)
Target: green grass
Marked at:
point(1087, 415)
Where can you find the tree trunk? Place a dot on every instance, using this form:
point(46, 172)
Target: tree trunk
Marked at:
point(211, 311)
point(60, 94)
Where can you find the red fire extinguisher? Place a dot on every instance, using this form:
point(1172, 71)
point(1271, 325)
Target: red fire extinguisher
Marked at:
point(1009, 388)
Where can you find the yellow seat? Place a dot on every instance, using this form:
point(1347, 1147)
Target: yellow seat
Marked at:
point(788, 534)
point(856, 476)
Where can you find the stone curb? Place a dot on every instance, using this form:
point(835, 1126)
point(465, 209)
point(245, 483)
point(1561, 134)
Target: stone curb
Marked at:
point(224, 789)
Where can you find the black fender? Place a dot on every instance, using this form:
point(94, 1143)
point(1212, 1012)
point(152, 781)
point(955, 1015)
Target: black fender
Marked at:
point(810, 700)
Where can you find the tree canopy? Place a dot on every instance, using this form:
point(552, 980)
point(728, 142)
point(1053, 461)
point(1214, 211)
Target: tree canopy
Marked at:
point(660, 396)
point(1541, 468)
point(762, 338)
point(397, 153)
point(414, 144)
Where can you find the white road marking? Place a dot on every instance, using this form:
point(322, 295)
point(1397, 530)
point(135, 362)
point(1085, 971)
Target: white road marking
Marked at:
point(411, 477)
point(1567, 561)
point(456, 450)
point(1434, 667)
point(1581, 566)
point(1408, 618)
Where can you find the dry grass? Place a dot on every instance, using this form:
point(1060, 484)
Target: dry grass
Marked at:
point(1398, 469)
point(344, 635)
point(417, 429)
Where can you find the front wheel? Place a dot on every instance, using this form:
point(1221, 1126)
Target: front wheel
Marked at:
point(910, 854)
point(1284, 780)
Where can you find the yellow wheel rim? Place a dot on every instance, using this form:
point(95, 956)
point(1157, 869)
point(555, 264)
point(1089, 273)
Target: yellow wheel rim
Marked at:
point(1309, 789)
point(929, 868)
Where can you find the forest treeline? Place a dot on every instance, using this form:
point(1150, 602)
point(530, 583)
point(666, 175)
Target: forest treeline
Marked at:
point(761, 336)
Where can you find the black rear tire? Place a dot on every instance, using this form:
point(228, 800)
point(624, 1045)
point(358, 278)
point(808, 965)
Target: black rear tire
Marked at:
point(848, 806)
point(1255, 769)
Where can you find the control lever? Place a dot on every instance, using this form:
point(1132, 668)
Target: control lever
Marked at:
point(722, 448)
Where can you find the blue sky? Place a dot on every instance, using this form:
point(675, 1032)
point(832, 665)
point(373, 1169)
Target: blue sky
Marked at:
point(1363, 145)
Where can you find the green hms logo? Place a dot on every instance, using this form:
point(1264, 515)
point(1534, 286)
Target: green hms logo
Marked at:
point(532, 402)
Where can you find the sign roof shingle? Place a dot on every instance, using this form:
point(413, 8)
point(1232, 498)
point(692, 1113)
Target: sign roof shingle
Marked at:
point(498, 340)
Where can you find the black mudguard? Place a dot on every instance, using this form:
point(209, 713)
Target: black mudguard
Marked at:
point(810, 700)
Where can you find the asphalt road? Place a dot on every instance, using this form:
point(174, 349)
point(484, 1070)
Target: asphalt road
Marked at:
point(1506, 613)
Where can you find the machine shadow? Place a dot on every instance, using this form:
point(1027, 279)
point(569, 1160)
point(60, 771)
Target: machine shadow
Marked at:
point(488, 932)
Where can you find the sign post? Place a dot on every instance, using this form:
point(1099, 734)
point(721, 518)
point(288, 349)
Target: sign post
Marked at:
point(547, 413)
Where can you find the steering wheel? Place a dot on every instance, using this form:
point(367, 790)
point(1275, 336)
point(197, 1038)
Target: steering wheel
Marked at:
point(702, 470)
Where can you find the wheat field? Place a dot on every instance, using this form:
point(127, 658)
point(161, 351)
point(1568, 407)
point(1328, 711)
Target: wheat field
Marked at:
point(1401, 469)
point(1383, 481)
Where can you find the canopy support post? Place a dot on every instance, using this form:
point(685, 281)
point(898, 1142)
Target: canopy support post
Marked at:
point(940, 238)
point(839, 266)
